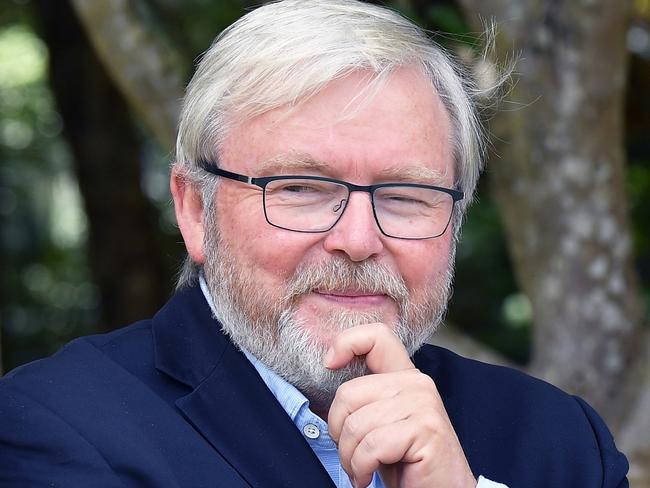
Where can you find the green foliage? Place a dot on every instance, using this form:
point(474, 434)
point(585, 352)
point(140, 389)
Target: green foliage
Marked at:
point(48, 297)
point(639, 193)
point(446, 19)
point(192, 25)
point(486, 301)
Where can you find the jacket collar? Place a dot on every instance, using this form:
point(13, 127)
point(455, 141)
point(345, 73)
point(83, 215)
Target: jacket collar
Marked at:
point(229, 405)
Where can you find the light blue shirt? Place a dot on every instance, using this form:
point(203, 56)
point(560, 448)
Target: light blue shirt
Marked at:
point(311, 426)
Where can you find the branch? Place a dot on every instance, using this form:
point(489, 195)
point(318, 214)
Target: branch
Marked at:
point(137, 61)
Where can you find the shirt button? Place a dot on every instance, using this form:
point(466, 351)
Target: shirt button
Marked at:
point(311, 431)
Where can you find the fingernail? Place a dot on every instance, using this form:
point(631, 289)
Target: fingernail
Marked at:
point(329, 357)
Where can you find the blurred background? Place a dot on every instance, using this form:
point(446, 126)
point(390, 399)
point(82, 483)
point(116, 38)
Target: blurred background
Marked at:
point(553, 269)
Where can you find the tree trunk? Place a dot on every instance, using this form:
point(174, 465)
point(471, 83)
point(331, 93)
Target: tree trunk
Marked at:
point(142, 65)
point(560, 186)
point(124, 244)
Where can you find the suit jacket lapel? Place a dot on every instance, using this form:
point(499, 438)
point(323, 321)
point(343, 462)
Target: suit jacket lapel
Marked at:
point(230, 406)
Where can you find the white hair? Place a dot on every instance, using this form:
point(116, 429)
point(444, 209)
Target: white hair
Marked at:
point(286, 51)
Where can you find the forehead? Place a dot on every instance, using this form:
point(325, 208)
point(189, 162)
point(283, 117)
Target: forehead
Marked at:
point(352, 130)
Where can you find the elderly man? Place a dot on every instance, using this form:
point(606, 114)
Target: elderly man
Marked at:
point(326, 153)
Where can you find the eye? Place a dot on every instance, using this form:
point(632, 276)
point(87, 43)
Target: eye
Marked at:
point(299, 188)
point(294, 188)
point(303, 192)
point(405, 199)
point(412, 201)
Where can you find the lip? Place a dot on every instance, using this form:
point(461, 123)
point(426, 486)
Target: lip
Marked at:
point(352, 297)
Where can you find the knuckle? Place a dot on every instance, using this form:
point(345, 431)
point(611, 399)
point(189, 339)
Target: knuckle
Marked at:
point(351, 427)
point(430, 424)
point(385, 330)
point(349, 391)
point(370, 443)
point(338, 341)
point(423, 381)
point(344, 393)
point(356, 464)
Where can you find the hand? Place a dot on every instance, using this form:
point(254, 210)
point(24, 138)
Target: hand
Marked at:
point(393, 420)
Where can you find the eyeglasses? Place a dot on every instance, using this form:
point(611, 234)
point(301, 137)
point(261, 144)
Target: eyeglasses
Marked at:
point(316, 204)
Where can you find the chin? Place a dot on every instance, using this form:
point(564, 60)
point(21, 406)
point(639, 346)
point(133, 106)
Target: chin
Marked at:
point(324, 326)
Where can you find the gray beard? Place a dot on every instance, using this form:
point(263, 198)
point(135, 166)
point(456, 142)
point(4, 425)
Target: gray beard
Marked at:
point(270, 329)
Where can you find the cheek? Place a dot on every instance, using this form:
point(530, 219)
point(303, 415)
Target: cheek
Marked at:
point(424, 263)
point(269, 253)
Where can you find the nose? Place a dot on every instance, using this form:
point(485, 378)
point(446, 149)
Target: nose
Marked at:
point(356, 234)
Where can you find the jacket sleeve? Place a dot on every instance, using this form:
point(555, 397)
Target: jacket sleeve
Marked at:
point(614, 462)
point(38, 448)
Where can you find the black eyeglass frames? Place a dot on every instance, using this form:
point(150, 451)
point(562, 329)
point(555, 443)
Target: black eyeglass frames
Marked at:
point(316, 203)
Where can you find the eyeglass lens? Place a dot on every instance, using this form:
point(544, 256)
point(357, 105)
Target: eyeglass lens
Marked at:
point(315, 206)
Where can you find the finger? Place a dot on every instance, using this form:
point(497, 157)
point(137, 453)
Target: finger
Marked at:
point(368, 418)
point(359, 392)
point(386, 445)
point(383, 350)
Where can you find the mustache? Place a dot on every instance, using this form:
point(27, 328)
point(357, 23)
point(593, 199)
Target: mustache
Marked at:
point(339, 274)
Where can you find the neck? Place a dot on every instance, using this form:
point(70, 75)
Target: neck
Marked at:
point(319, 402)
point(323, 413)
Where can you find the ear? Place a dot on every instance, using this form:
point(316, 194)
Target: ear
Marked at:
point(188, 206)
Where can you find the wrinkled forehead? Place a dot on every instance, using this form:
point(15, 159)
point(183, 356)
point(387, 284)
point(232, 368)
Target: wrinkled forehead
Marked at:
point(296, 163)
point(396, 126)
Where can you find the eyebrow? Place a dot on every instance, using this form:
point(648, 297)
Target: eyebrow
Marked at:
point(413, 174)
point(286, 163)
point(297, 163)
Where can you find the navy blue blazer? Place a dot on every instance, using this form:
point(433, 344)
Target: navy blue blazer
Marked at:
point(171, 402)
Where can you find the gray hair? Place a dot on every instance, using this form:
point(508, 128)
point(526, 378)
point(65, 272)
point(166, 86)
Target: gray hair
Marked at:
point(286, 51)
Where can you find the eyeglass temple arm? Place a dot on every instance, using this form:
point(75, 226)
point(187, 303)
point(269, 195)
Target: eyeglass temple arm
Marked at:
point(211, 168)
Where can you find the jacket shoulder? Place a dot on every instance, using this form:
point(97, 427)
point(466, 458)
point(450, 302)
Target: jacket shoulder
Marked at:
point(85, 356)
point(46, 407)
